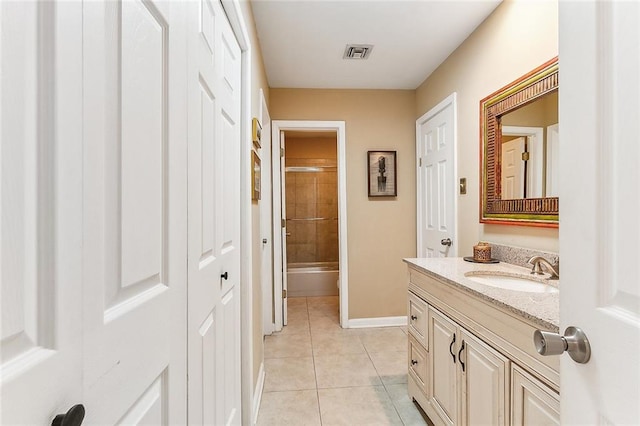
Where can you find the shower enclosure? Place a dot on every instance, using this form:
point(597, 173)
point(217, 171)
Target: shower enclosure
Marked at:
point(312, 226)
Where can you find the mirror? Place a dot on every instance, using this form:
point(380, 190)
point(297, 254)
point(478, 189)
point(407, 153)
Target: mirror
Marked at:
point(519, 151)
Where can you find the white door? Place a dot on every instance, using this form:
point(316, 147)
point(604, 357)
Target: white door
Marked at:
point(599, 230)
point(214, 216)
point(134, 224)
point(552, 173)
point(40, 210)
point(266, 219)
point(436, 144)
point(284, 231)
point(513, 169)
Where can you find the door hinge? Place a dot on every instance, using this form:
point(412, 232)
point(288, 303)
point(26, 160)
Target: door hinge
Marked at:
point(420, 162)
point(284, 294)
point(283, 223)
point(525, 156)
point(281, 152)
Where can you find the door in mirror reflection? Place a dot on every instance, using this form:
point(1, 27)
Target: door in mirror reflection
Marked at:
point(529, 142)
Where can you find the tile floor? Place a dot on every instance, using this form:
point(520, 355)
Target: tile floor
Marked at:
point(317, 373)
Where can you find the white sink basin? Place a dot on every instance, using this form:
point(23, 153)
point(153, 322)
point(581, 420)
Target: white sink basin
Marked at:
point(509, 282)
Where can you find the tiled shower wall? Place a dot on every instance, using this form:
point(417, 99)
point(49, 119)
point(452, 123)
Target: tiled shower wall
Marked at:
point(312, 211)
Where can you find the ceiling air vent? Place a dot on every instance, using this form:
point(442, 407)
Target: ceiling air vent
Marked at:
point(357, 51)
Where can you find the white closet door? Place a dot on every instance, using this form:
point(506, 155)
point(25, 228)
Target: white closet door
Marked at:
point(40, 210)
point(214, 212)
point(134, 213)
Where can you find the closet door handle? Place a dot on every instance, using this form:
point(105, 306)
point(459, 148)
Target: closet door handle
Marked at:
point(451, 346)
point(459, 354)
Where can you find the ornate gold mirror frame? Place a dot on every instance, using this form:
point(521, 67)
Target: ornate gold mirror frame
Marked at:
point(493, 209)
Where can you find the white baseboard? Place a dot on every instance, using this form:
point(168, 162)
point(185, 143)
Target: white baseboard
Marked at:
point(377, 322)
point(257, 394)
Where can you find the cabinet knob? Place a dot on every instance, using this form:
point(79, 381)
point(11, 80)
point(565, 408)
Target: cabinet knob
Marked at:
point(574, 341)
point(413, 317)
point(225, 276)
point(414, 362)
point(73, 417)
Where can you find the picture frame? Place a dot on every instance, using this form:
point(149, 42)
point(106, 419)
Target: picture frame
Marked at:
point(382, 174)
point(256, 132)
point(255, 176)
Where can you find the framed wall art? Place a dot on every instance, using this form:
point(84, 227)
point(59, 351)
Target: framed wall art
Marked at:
point(255, 176)
point(382, 178)
point(256, 132)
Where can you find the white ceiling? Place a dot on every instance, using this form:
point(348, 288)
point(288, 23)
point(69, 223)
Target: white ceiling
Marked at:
point(303, 41)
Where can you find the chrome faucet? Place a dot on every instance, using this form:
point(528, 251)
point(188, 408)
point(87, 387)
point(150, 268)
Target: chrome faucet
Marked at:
point(538, 261)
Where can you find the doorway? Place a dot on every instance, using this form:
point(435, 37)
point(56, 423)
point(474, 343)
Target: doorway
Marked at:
point(310, 170)
point(311, 211)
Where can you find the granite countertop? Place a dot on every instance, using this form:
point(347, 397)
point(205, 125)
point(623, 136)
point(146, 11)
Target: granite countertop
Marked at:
point(540, 308)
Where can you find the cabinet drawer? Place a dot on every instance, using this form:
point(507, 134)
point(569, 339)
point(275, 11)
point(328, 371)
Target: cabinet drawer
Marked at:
point(418, 364)
point(418, 319)
point(532, 402)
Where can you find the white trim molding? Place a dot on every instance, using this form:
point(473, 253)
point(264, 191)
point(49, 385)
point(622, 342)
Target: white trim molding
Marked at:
point(257, 394)
point(378, 322)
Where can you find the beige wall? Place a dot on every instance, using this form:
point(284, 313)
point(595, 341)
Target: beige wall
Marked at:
point(380, 231)
point(516, 38)
point(258, 81)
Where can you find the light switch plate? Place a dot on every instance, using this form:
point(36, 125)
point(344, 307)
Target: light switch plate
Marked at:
point(463, 186)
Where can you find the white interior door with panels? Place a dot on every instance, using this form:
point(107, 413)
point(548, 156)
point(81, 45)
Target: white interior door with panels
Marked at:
point(40, 210)
point(600, 234)
point(214, 79)
point(512, 185)
point(266, 218)
point(531, 143)
point(436, 186)
point(283, 230)
point(134, 222)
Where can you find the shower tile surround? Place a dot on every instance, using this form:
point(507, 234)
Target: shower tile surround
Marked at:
point(310, 195)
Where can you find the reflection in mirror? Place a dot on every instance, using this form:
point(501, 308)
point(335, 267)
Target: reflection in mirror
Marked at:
point(529, 149)
point(519, 151)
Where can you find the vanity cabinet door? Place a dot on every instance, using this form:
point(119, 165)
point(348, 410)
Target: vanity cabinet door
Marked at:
point(418, 319)
point(443, 349)
point(532, 402)
point(484, 383)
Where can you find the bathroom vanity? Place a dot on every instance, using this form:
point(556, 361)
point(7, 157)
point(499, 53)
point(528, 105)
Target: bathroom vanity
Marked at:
point(471, 356)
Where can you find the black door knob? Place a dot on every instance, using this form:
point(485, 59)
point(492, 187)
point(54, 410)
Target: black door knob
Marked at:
point(73, 417)
point(225, 276)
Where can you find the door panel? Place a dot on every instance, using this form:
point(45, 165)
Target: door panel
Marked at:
point(484, 384)
point(134, 223)
point(40, 210)
point(600, 232)
point(443, 385)
point(436, 175)
point(214, 216)
point(513, 169)
point(533, 403)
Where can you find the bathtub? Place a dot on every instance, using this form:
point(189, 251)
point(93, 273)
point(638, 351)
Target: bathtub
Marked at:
point(312, 279)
